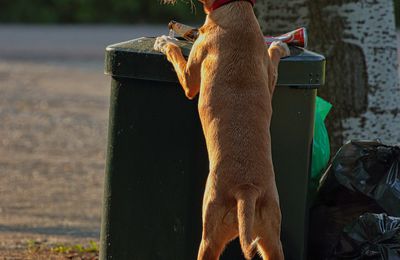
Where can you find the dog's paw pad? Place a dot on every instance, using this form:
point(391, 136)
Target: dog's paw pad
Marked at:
point(162, 41)
point(283, 45)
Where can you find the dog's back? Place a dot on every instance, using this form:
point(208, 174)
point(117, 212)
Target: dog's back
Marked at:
point(235, 99)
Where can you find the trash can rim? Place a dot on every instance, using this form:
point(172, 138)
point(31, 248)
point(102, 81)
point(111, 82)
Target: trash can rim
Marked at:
point(136, 59)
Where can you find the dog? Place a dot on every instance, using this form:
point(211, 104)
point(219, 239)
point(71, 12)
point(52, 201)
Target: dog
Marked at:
point(235, 75)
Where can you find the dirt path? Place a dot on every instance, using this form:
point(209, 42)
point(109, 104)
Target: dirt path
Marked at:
point(53, 127)
point(52, 152)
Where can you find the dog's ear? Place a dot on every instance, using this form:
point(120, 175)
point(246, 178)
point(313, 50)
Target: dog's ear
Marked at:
point(207, 5)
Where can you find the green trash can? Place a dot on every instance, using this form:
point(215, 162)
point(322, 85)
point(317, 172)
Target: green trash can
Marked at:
point(157, 159)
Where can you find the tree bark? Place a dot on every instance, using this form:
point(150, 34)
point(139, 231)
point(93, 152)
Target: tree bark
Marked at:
point(358, 38)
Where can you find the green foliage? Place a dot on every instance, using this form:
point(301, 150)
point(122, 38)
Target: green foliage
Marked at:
point(97, 11)
point(33, 245)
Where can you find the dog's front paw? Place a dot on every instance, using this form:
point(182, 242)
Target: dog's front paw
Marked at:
point(281, 45)
point(162, 42)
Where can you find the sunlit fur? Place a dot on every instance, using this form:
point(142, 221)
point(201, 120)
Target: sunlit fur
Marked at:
point(235, 74)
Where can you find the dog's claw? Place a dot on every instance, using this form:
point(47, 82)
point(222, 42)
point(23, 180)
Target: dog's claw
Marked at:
point(162, 41)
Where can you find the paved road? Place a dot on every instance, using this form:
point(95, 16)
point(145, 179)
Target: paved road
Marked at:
point(53, 114)
point(82, 45)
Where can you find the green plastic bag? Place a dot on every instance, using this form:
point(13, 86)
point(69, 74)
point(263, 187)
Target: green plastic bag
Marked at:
point(321, 148)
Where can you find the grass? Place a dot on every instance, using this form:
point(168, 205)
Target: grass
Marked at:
point(93, 247)
point(40, 250)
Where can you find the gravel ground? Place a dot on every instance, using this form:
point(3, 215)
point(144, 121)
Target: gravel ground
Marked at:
point(52, 152)
point(53, 128)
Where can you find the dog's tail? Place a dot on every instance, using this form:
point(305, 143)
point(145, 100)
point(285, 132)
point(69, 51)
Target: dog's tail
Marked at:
point(246, 203)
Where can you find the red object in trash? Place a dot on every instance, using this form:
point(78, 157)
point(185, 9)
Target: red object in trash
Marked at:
point(297, 37)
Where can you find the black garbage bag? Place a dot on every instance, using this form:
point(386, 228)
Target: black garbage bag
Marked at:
point(371, 236)
point(364, 176)
point(328, 220)
point(370, 168)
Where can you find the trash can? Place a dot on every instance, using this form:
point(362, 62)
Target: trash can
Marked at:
point(157, 161)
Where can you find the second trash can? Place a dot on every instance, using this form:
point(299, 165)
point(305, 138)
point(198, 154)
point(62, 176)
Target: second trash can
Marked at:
point(157, 160)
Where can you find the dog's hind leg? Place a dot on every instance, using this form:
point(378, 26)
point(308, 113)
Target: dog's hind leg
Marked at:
point(268, 229)
point(216, 232)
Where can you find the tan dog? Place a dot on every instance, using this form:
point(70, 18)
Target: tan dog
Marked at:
point(235, 74)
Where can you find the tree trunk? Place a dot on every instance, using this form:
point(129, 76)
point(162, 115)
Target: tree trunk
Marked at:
point(358, 38)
